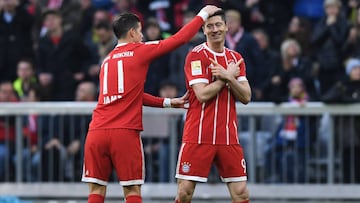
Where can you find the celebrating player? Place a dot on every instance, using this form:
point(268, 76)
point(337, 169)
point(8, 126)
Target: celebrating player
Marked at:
point(113, 139)
point(210, 131)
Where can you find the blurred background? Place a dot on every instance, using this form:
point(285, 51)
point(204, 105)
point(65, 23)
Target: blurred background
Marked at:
point(300, 133)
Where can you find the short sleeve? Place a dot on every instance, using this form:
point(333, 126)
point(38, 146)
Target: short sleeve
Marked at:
point(196, 70)
point(242, 76)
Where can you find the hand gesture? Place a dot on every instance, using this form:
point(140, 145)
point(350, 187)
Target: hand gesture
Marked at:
point(232, 71)
point(180, 102)
point(234, 68)
point(217, 70)
point(210, 9)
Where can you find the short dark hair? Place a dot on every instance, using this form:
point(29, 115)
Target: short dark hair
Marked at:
point(103, 25)
point(51, 12)
point(220, 13)
point(124, 23)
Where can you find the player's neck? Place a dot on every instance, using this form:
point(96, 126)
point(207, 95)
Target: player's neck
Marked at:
point(216, 47)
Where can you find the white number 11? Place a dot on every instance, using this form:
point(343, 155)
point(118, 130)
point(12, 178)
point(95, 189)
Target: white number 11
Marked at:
point(120, 73)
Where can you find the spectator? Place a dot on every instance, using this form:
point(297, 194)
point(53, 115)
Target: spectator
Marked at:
point(61, 150)
point(158, 148)
point(7, 133)
point(30, 154)
point(91, 41)
point(26, 78)
point(15, 37)
point(61, 54)
point(106, 43)
point(290, 139)
point(177, 57)
point(69, 9)
point(159, 68)
point(277, 14)
point(350, 10)
point(107, 39)
point(243, 42)
point(299, 29)
point(351, 48)
point(348, 91)
point(87, 13)
point(122, 6)
point(292, 65)
point(271, 61)
point(330, 34)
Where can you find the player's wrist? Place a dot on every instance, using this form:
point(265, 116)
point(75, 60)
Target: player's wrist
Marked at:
point(203, 14)
point(167, 103)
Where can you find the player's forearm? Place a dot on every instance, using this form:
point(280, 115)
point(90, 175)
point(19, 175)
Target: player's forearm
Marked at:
point(152, 101)
point(184, 35)
point(241, 90)
point(209, 91)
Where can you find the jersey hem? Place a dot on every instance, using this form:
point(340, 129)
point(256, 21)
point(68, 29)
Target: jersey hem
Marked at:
point(193, 178)
point(94, 180)
point(131, 182)
point(234, 179)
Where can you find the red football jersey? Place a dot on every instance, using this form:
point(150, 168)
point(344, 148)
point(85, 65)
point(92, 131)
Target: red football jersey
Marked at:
point(122, 78)
point(215, 121)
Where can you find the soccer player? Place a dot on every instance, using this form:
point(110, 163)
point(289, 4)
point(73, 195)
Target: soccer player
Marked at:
point(113, 139)
point(215, 79)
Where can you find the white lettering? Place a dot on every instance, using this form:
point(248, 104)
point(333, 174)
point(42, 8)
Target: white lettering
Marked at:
point(123, 54)
point(112, 98)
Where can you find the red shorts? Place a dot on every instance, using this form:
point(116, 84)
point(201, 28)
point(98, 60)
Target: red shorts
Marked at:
point(106, 149)
point(195, 160)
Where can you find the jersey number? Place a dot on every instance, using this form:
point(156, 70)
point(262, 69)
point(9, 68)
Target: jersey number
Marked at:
point(120, 74)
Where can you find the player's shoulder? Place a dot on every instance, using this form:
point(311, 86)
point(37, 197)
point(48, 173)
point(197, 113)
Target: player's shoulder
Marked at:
point(234, 53)
point(198, 48)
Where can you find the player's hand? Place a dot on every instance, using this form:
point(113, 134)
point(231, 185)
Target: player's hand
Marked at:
point(210, 9)
point(234, 68)
point(180, 102)
point(217, 70)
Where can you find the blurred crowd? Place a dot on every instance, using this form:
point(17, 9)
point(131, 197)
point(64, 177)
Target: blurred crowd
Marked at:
point(56, 44)
point(294, 50)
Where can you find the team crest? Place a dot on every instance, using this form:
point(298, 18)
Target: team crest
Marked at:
point(231, 61)
point(185, 167)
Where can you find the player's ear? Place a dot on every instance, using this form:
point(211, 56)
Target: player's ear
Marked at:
point(131, 33)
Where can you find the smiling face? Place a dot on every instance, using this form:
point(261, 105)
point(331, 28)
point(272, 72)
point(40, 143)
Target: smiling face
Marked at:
point(215, 30)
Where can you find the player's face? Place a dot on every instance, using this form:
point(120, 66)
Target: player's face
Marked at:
point(138, 35)
point(215, 29)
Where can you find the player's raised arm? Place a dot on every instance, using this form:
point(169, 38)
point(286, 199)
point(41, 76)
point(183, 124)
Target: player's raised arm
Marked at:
point(157, 48)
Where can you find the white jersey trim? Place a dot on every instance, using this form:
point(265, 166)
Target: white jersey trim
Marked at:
point(234, 179)
point(193, 178)
point(131, 182)
point(228, 117)
point(121, 44)
point(242, 78)
point(93, 180)
point(201, 122)
point(179, 158)
point(213, 52)
point(199, 80)
point(152, 42)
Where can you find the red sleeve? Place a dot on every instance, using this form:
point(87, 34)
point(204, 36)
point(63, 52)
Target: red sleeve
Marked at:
point(155, 49)
point(195, 68)
point(152, 101)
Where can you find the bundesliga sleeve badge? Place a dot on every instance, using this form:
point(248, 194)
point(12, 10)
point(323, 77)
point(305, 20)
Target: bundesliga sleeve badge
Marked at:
point(196, 68)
